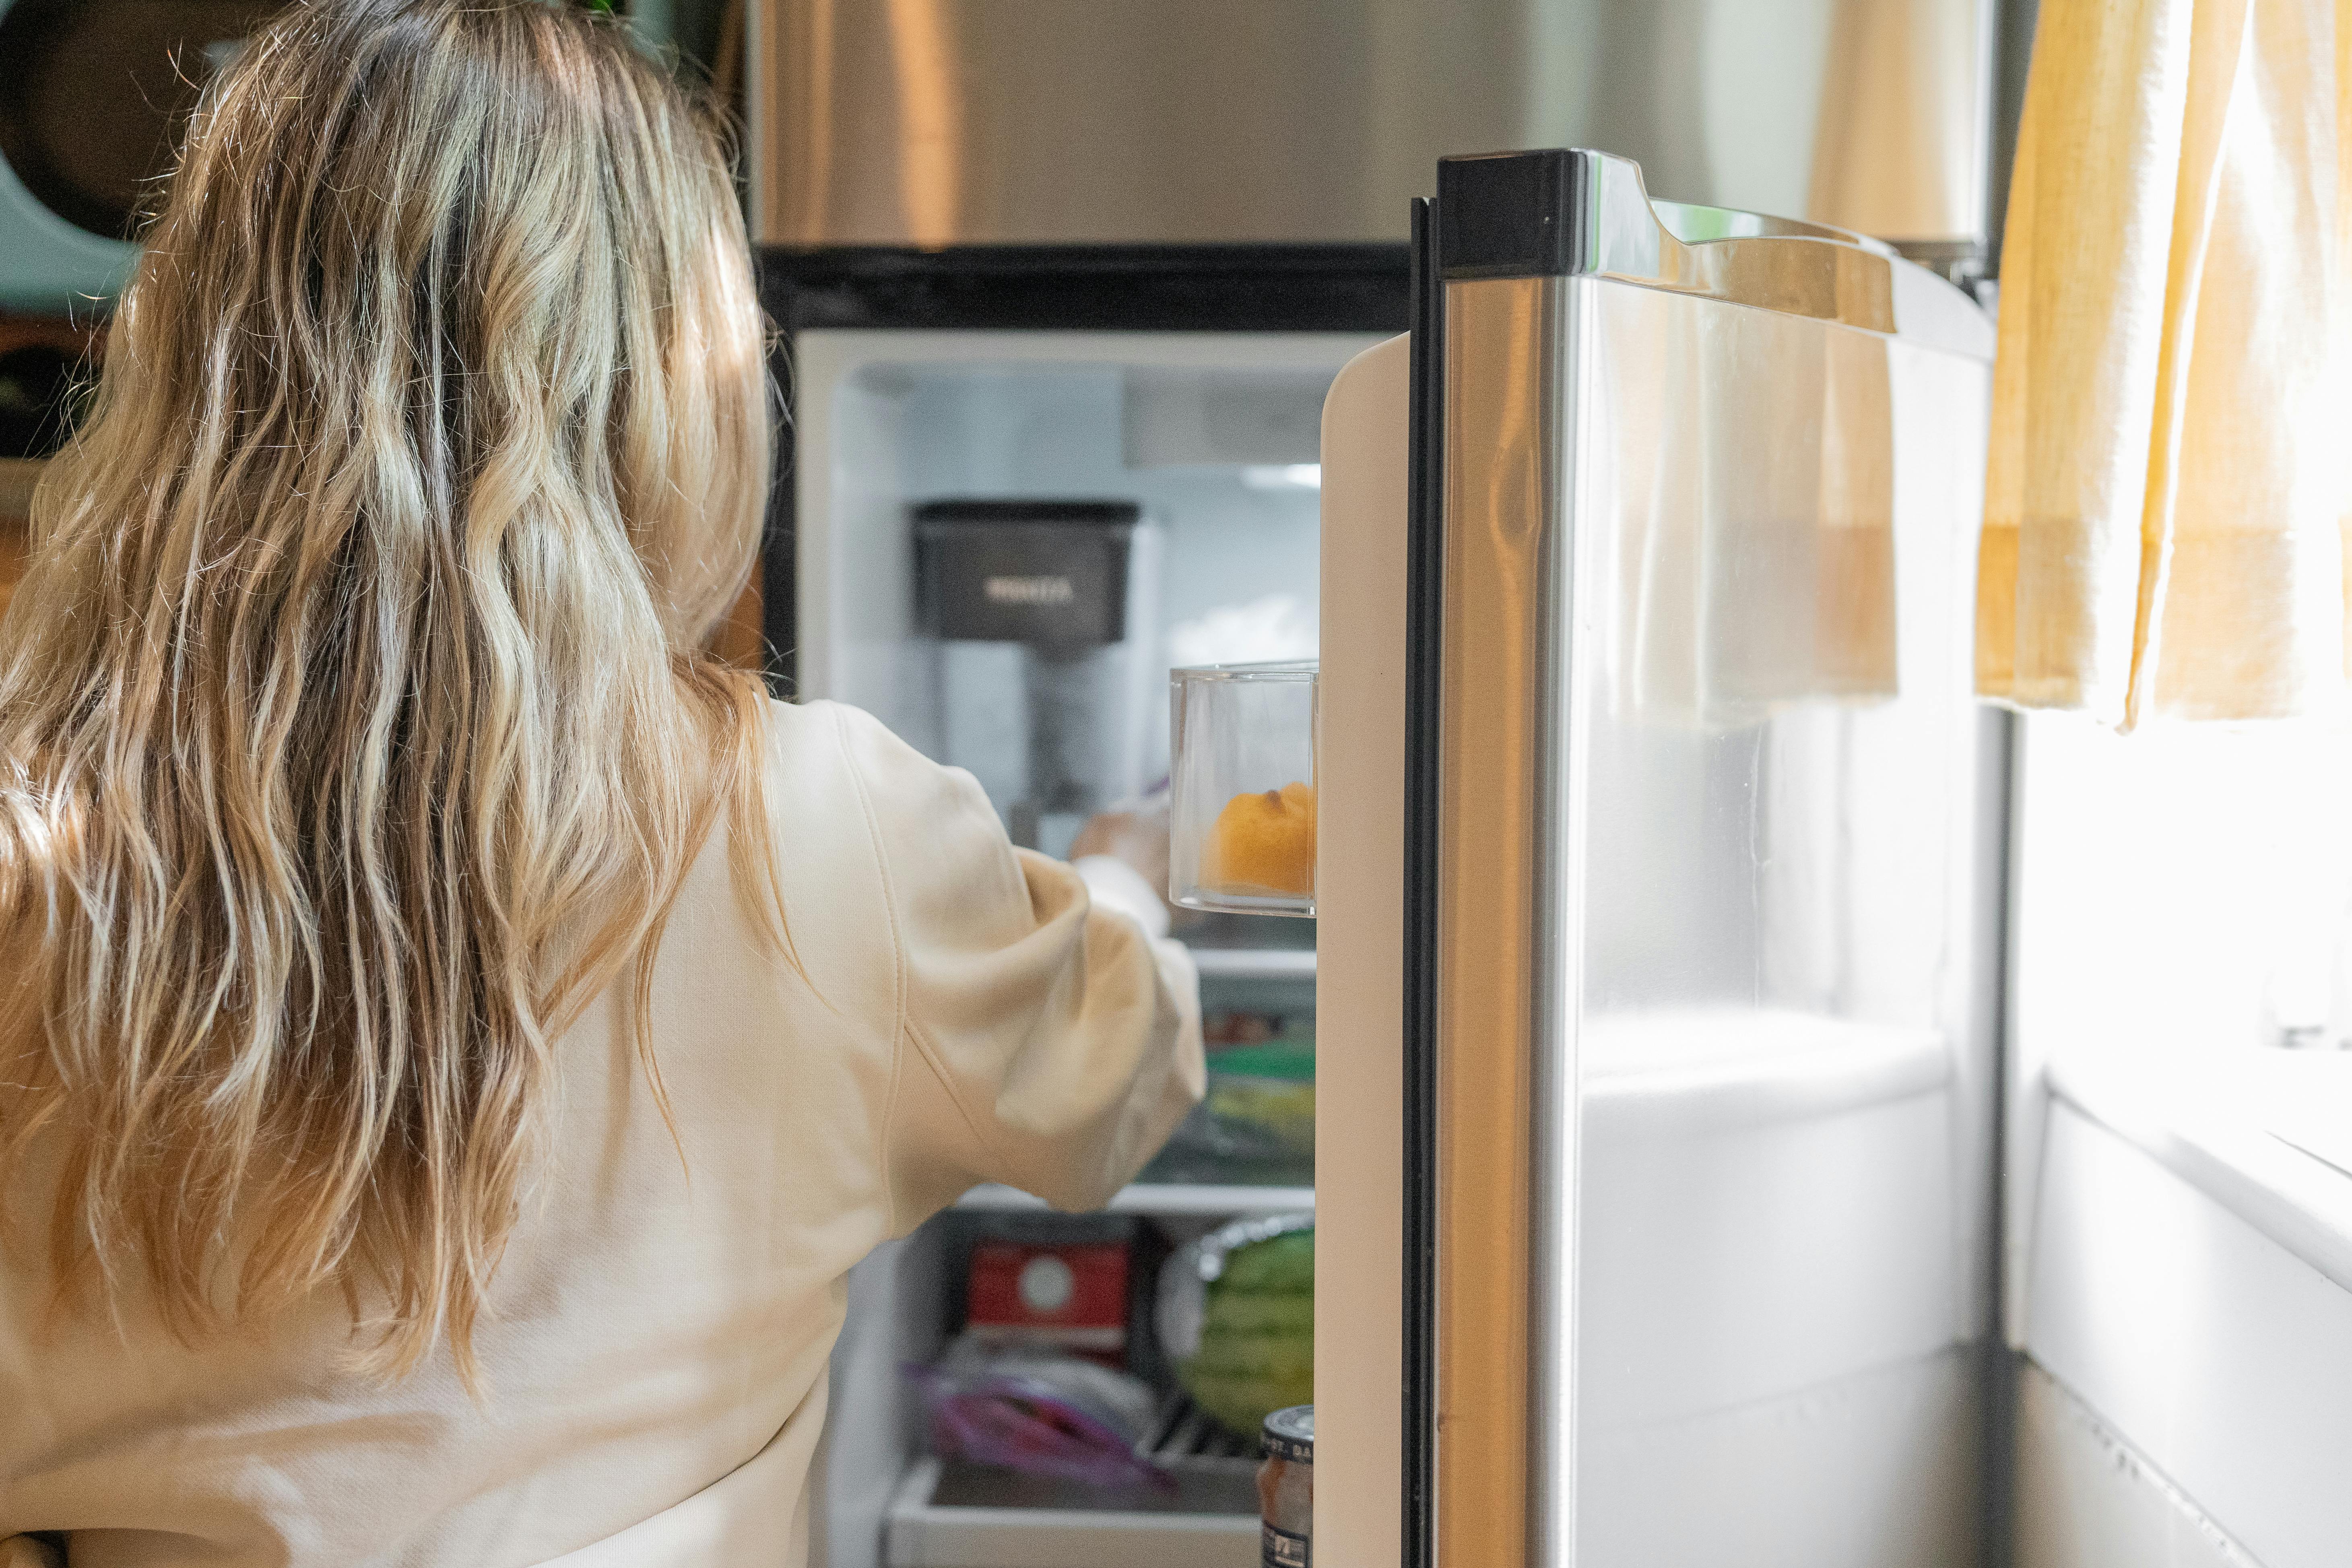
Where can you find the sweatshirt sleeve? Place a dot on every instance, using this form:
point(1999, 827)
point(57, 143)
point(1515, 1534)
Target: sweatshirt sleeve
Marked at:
point(1043, 1041)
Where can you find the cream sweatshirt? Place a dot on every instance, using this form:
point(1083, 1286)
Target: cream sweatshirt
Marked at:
point(656, 1364)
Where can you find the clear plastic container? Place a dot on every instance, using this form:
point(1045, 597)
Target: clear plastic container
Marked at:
point(1254, 1127)
point(1242, 789)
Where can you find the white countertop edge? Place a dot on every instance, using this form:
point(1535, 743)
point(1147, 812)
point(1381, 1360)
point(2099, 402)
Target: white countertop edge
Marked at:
point(2194, 1122)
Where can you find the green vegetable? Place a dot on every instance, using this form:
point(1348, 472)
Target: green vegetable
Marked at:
point(1258, 1333)
point(1281, 1059)
point(1282, 1113)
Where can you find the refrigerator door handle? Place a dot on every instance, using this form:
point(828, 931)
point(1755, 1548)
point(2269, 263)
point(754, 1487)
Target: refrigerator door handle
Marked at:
point(1508, 938)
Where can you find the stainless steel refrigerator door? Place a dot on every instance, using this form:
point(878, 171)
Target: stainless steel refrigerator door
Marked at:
point(1712, 1025)
point(932, 122)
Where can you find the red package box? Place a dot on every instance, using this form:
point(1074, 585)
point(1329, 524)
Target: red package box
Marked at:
point(1070, 1294)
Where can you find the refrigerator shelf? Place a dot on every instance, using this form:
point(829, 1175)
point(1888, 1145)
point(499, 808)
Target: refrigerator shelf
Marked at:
point(1159, 1198)
point(1255, 962)
point(935, 1522)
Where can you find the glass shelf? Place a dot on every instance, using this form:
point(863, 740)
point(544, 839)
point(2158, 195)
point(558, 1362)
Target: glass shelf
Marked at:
point(1255, 962)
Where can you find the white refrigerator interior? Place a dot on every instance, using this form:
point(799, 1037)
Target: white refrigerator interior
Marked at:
point(1214, 433)
point(1212, 438)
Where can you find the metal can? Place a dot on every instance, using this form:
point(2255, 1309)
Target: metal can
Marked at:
point(1285, 1488)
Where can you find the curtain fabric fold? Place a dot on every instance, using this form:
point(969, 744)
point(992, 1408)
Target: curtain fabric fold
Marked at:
point(2166, 497)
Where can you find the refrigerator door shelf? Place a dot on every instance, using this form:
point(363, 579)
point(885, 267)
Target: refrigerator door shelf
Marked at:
point(1769, 1318)
point(1693, 1070)
point(1242, 789)
point(1876, 1469)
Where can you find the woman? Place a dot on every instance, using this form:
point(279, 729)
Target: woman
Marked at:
point(456, 1036)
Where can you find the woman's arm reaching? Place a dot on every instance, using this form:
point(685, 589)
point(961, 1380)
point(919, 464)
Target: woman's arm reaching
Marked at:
point(1044, 1040)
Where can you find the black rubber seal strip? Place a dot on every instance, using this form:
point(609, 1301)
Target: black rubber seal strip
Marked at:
point(1424, 650)
point(1097, 287)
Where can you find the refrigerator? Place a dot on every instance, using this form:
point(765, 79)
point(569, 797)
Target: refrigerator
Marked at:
point(1653, 984)
point(1651, 747)
point(1162, 406)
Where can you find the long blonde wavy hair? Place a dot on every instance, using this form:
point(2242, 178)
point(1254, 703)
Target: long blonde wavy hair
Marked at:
point(356, 727)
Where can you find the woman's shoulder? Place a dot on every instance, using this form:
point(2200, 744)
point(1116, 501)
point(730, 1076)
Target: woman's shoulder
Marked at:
point(826, 742)
point(820, 724)
point(925, 821)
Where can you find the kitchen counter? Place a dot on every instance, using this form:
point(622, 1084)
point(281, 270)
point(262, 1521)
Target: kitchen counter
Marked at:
point(2190, 1290)
point(2267, 1135)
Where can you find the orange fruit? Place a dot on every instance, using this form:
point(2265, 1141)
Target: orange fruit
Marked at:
point(1263, 842)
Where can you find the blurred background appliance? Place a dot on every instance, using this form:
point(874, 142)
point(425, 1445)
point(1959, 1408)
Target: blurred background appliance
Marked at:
point(92, 97)
point(936, 122)
point(42, 360)
point(93, 94)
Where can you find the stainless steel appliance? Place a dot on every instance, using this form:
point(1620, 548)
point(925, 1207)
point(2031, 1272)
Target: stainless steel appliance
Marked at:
point(1664, 1164)
point(1651, 982)
point(934, 122)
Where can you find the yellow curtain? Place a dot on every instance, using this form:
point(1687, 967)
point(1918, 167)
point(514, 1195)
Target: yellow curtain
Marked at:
point(2166, 498)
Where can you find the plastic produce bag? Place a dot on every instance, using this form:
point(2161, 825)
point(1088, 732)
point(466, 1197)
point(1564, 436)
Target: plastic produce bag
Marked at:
point(1039, 1411)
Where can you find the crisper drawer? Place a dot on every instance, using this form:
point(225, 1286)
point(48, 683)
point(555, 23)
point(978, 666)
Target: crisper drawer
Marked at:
point(947, 1516)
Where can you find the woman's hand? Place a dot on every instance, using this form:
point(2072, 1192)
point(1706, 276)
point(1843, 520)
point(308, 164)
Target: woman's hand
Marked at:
point(1137, 837)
